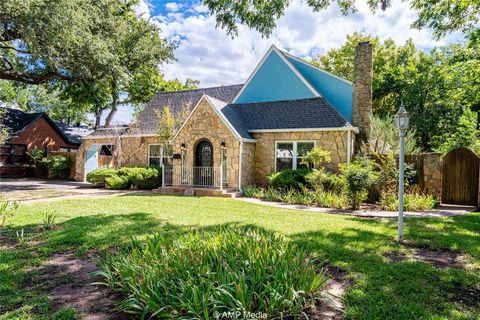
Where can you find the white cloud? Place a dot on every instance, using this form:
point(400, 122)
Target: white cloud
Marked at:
point(209, 55)
point(142, 9)
point(173, 6)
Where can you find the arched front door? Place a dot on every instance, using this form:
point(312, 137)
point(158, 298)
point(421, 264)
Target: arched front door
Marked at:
point(203, 167)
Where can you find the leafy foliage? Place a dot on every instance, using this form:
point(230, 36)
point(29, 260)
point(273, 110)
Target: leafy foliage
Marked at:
point(443, 16)
point(317, 157)
point(118, 182)
point(48, 220)
point(288, 179)
point(360, 177)
point(437, 87)
point(466, 134)
point(144, 178)
point(194, 274)
point(98, 176)
point(58, 166)
point(411, 201)
point(7, 210)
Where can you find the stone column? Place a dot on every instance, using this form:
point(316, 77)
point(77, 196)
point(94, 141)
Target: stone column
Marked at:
point(362, 87)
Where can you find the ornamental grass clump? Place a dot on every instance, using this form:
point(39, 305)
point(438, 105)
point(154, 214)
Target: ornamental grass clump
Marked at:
point(196, 274)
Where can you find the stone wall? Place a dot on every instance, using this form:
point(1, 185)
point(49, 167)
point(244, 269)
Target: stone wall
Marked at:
point(362, 87)
point(203, 124)
point(134, 151)
point(248, 164)
point(334, 141)
point(432, 173)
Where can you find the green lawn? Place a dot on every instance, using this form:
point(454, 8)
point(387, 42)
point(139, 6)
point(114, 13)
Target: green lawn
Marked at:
point(379, 289)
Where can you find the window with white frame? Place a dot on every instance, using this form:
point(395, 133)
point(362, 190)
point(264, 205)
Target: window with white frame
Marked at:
point(158, 154)
point(289, 154)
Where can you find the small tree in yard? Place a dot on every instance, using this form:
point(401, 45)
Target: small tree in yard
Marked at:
point(359, 176)
point(317, 157)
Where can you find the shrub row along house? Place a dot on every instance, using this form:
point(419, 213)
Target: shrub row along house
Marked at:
point(236, 135)
point(28, 131)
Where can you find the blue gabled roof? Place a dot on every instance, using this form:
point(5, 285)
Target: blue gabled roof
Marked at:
point(274, 79)
point(281, 76)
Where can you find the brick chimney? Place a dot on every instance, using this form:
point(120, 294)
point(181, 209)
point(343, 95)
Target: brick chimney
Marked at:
point(362, 87)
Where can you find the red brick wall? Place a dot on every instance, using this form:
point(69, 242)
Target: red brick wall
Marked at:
point(41, 133)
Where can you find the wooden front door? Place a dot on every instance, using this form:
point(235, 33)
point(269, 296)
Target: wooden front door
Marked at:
point(203, 167)
point(460, 180)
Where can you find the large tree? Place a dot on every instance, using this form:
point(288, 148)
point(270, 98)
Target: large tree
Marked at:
point(97, 47)
point(443, 16)
point(437, 87)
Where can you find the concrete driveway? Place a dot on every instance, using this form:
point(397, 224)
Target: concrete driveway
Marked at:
point(36, 190)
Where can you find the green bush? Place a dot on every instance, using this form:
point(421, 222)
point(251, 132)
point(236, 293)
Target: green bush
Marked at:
point(288, 179)
point(194, 275)
point(118, 182)
point(293, 196)
point(411, 202)
point(329, 199)
point(253, 192)
point(147, 178)
point(359, 176)
point(98, 176)
point(58, 166)
point(320, 180)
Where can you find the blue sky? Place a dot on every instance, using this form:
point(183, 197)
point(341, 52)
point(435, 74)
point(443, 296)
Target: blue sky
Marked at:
point(207, 54)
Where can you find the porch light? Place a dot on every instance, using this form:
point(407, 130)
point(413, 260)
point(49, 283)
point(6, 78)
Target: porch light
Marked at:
point(402, 118)
point(222, 145)
point(401, 122)
point(182, 147)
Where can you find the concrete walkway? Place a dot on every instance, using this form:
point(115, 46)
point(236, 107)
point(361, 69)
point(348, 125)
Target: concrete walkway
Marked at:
point(442, 211)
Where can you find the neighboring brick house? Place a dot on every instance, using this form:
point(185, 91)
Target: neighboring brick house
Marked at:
point(28, 131)
point(237, 135)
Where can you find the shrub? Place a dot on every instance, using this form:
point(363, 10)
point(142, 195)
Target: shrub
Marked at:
point(328, 199)
point(288, 179)
point(98, 176)
point(293, 196)
point(196, 274)
point(118, 182)
point(359, 176)
point(320, 180)
point(7, 210)
point(58, 166)
point(411, 202)
point(253, 192)
point(317, 157)
point(147, 178)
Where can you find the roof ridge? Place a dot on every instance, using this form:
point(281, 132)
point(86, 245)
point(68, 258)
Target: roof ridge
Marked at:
point(277, 101)
point(198, 89)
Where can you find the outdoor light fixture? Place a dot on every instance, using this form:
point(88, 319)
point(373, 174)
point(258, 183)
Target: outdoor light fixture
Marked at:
point(182, 146)
point(222, 145)
point(402, 120)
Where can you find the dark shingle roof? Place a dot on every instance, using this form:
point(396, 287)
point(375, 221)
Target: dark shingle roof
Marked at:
point(17, 120)
point(147, 122)
point(74, 133)
point(178, 100)
point(289, 114)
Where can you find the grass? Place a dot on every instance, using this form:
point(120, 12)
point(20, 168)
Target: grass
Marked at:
point(379, 289)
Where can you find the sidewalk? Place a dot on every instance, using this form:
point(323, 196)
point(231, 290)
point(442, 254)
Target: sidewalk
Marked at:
point(441, 211)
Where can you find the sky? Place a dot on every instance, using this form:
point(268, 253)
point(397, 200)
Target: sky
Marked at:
point(208, 54)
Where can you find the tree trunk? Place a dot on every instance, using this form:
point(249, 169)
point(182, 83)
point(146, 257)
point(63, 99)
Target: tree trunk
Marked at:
point(114, 108)
point(98, 118)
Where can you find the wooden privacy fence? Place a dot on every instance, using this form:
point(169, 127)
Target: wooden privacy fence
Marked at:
point(461, 177)
point(454, 178)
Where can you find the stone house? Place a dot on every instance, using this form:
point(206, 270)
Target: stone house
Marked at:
point(237, 135)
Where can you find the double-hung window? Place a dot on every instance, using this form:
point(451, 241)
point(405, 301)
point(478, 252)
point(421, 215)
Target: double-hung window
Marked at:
point(158, 154)
point(289, 154)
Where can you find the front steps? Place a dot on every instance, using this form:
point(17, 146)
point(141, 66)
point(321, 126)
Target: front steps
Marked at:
point(202, 192)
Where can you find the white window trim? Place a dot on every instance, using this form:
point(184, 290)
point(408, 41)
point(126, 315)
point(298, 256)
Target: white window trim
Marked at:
point(149, 156)
point(295, 155)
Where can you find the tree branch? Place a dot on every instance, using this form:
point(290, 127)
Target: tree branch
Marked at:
point(33, 78)
point(15, 49)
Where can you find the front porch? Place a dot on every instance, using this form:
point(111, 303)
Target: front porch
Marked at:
point(198, 191)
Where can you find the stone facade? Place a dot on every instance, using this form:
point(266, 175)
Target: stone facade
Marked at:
point(362, 87)
point(134, 151)
point(204, 124)
point(334, 141)
point(432, 173)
